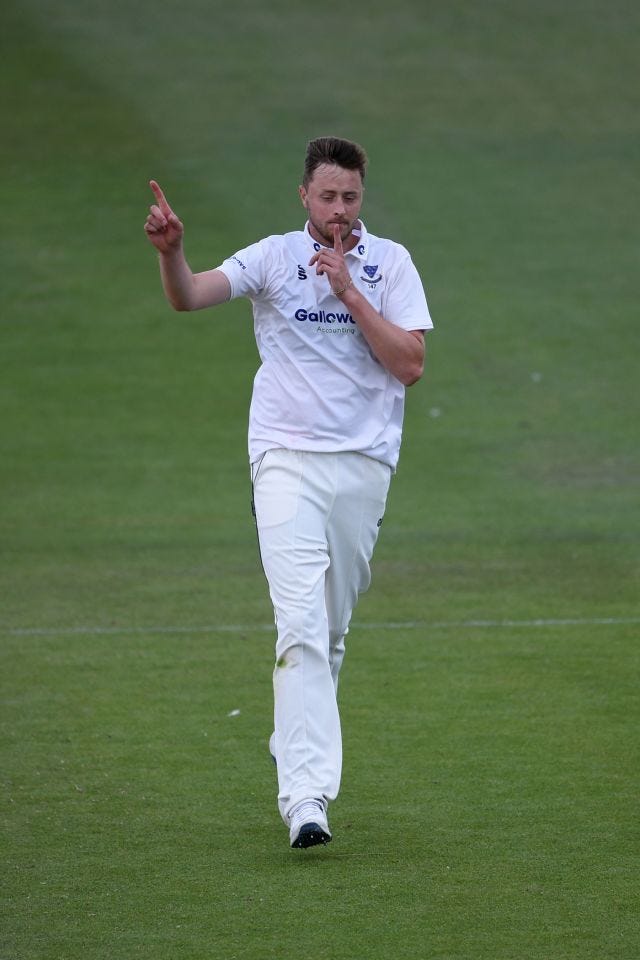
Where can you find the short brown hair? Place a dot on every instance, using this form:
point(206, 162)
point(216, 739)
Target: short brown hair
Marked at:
point(343, 153)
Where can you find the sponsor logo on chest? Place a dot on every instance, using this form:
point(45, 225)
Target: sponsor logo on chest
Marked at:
point(322, 316)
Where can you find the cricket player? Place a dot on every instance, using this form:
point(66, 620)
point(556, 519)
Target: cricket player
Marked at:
point(339, 318)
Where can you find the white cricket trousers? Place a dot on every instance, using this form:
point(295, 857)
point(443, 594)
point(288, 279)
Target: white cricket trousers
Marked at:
point(317, 516)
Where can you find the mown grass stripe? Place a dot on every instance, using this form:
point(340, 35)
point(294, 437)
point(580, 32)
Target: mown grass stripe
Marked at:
point(386, 625)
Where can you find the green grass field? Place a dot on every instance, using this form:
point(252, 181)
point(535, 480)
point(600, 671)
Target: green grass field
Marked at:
point(490, 693)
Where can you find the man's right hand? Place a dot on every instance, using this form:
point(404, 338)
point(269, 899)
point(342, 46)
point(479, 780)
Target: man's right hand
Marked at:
point(162, 226)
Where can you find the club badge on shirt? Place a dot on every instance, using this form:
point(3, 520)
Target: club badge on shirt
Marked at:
point(371, 278)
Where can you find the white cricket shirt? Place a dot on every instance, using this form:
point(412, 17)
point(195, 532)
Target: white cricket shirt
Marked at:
point(319, 386)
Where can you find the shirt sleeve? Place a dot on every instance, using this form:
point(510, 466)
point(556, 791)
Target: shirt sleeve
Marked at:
point(405, 303)
point(246, 270)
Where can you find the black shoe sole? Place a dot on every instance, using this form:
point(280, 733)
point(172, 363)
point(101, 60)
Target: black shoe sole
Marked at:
point(311, 834)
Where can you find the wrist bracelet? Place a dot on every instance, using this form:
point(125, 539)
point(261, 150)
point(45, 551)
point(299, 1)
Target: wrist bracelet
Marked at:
point(339, 293)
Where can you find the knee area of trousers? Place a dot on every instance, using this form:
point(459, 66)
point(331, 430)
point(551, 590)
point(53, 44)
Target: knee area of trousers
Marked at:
point(292, 654)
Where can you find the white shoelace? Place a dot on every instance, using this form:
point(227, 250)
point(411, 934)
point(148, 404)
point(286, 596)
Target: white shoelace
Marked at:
point(308, 811)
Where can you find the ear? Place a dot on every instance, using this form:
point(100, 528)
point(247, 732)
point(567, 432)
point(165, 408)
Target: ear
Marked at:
point(303, 196)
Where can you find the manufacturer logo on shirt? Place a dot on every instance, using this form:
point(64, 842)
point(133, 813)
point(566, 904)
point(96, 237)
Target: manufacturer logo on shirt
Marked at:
point(302, 273)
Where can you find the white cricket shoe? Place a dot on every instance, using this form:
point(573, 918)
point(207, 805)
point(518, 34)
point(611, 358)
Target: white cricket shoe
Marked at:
point(309, 825)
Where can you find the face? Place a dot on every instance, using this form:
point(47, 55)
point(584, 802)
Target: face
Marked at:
point(333, 195)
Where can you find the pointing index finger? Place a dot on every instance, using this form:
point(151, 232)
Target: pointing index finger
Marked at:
point(337, 239)
point(160, 197)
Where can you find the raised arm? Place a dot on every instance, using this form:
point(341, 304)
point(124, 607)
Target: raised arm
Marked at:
point(183, 289)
